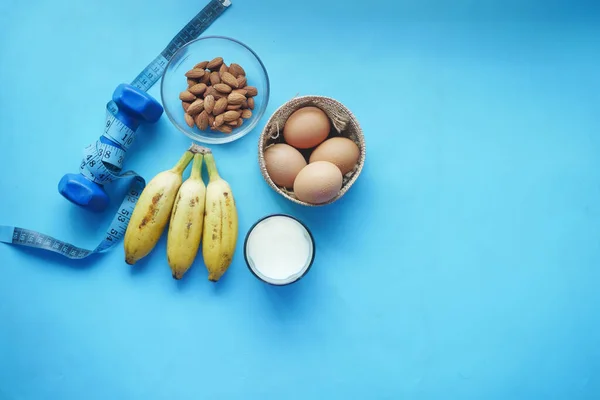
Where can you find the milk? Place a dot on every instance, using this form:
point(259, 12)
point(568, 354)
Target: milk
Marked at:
point(279, 249)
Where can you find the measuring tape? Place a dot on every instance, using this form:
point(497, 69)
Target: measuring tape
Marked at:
point(102, 161)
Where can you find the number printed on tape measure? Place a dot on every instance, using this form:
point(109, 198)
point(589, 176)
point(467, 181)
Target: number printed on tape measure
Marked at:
point(119, 133)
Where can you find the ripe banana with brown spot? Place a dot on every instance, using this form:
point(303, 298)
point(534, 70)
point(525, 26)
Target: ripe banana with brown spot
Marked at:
point(220, 223)
point(187, 218)
point(152, 211)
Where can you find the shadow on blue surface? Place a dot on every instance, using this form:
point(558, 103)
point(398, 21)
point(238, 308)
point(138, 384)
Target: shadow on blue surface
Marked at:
point(288, 294)
point(289, 302)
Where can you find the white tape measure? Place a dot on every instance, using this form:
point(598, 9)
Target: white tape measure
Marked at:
point(102, 162)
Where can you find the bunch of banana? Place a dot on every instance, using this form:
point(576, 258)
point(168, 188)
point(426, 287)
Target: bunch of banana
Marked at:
point(196, 214)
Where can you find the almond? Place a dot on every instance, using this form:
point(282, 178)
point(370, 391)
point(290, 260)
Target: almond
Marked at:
point(223, 88)
point(191, 82)
point(236, 98)
point(214, 78)
point(220, 106)
point(223, 69)
point(245, 104)
point(209, 103)
point(185, 105)
point(219, 120)
point(236, 70)
point(233, 123)
point(198, 89)
point(229, 79)
point(205, 78)
point(234, 107)
point(240, 91)
point(186, 95)
point(240, 121)
point(189, 120)
point(211, 120)
point(215, 63)
point(224, 129)
point(231, 116)
point(251, 103)
point(218, 95)
point(195, 73)
point(196, 107)
point(210, 91)
point(241, 81)
point(246, 114)
point(202, 120)
point(197, 119)
point(252, 91)
point(201, 65)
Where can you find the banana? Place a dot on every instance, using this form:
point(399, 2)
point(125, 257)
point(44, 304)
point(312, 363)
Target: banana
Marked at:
point(152, 211)
point(187, 218)
point(220, 223)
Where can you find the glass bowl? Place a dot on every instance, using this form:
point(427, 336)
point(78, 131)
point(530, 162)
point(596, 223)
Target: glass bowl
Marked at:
point(206, 48)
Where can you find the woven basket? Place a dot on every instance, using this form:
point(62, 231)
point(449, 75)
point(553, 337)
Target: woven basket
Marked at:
point(343, 123)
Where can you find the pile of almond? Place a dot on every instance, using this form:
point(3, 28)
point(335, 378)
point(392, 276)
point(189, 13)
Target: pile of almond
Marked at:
point(218, 96)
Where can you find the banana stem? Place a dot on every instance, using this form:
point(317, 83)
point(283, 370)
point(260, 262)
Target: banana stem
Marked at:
point(197, 166)
point(183, 162)
point(211, 166)
point(194, 148)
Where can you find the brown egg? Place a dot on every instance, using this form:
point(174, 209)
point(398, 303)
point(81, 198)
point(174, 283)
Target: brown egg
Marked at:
point(307, 127)
point(340, 151)
point(283, 162)
point(318, 182)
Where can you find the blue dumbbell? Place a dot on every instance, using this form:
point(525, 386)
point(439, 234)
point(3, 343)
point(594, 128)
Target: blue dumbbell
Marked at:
point(134, 107)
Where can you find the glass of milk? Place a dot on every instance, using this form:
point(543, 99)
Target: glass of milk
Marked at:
point(279, 249)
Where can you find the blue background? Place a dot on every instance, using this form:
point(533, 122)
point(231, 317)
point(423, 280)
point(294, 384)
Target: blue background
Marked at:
point(463, 264)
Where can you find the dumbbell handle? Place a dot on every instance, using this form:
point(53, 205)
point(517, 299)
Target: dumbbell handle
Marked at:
point(87, 191)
